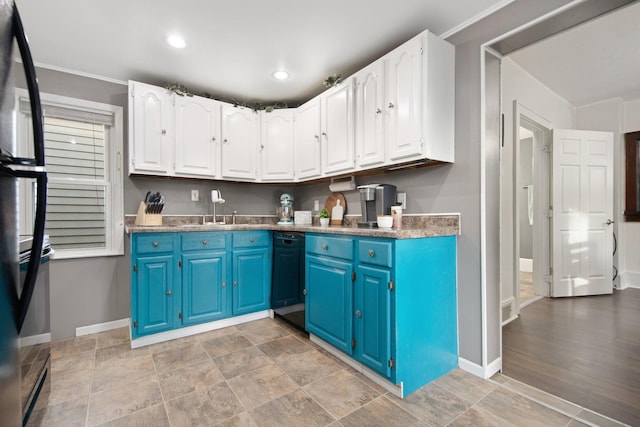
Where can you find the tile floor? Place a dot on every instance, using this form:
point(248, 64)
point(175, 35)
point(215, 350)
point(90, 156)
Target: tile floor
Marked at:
point(264, 373)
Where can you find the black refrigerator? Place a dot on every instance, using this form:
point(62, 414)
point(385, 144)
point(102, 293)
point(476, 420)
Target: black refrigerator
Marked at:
point(17, 398)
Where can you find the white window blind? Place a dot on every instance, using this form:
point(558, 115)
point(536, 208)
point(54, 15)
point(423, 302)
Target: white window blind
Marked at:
point(82, 154)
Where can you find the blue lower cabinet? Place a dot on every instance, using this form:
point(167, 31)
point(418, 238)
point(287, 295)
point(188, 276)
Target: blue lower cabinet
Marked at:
point(372, 324)
point(204, 287)
point(329, 300)
point(155, 298)
point(251, 280)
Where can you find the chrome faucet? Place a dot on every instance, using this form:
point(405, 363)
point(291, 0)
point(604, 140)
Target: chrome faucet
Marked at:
point(233, 217)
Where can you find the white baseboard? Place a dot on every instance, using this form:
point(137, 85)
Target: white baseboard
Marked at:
point(526, 264)
point(629, 279)
point(197, 329)
point(102, 327)
point(483, 372)
point(35, 339)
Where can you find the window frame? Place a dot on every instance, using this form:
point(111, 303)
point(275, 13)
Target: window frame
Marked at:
point(114, 177)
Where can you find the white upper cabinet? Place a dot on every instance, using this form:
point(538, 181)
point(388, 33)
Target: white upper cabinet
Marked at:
point(419, 109)
point(277, 158)
point(197, 148)
point(150, 129)
point(370, 97)
point(403, 108)
point(307, 135)
point(240, 141)
point(338, 124)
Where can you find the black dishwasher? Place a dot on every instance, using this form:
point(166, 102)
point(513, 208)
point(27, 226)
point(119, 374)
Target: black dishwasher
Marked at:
point(287, 285)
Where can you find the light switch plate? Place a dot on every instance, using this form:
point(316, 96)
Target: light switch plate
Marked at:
point(401, 198)
point(195, 195)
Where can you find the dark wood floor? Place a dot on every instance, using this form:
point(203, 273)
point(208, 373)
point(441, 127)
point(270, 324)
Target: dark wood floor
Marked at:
point(583, 349)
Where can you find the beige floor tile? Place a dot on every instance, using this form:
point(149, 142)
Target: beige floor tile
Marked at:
point(225, 344)
point(172, 344)
point(204, 407)
point(292, 409)
point(380, 413)
point(113, 337)
point(282, 347)
point(520, 410)
point(561, 405)
point(120, 351)
point(262, 331)
point(433, 404)
point(64, 387)
point(233, 364)
point(71, 346)
point(173, 358)
point(153, 416)
point(117, 402)
point(597, 419)
point(70, 413)
point(243, 419)
point(200, 374)
point(478, 417)
point(79, 363)
point(205, 336)
point(262, 385)
point(308, 367)
point(116, 372)
point(341, 393)
point(465, 385)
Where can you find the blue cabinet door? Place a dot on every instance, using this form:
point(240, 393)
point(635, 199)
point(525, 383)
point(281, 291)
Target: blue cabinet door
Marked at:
point(329, 301)
point(155, 295)
point(204, 287)
point(372, 308)
point(251, 280)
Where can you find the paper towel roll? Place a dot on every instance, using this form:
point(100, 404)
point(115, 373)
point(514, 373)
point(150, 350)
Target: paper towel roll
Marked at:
point(342, 184)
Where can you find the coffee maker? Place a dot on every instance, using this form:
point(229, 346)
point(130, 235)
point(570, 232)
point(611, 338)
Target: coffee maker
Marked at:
point(375, 199)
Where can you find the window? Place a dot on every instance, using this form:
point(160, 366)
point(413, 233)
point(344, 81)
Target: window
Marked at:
point(83, 154)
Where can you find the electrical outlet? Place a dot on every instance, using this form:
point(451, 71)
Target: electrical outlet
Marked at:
point(401, 198)
point(316, 205)
point(195, 195)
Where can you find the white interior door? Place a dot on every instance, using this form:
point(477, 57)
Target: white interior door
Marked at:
point(582, 200)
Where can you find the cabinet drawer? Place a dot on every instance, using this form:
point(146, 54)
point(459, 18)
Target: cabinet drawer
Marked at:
point(375, 252)
point(338, 247)
point(203, 241)
point(250, 239)
point(154, 243)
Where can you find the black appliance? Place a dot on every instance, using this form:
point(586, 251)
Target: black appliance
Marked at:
point(15, 294)
point(375, 199)
point(287, 284)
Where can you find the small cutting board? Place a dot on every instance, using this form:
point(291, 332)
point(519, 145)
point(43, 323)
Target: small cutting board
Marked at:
point(332, 201)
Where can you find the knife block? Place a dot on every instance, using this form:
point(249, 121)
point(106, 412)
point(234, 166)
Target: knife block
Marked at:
point(143, 218)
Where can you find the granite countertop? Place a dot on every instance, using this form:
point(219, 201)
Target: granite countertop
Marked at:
point(413, 225)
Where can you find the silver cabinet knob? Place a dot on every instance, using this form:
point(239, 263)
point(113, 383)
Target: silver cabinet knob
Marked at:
point(213, 138)
point(204, 243)
point(371, 252)
point(251, 240)
point(164, 131)
point(391, 105)
point(169, 292)
point(155, 244)
point(358, 314)
point(316, 137)
point(609, 222)
point(224, 285)
point(325, 246)
point(378, 111)
point(235, 283)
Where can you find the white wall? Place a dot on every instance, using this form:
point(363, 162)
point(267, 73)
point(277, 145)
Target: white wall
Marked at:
point(519, 85)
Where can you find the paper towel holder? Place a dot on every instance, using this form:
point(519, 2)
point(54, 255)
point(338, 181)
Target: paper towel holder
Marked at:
point(343, 184)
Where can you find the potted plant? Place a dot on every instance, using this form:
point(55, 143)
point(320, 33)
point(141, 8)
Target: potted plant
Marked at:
point(324, 218)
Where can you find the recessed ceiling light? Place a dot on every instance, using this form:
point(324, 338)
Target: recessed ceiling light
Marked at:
point(176, 41)
point(281, 75)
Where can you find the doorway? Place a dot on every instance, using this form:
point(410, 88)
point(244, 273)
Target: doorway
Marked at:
point(531, 195)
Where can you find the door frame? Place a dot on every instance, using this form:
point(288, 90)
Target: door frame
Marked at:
point(541, 128)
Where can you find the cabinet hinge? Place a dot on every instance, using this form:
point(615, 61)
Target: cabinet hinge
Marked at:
point(180, 315)
point(353, 343)
point(547, 148)
point(135, 324)
point(135, 268)
point(353, 276)
point(392, 285)
point(179, 263)
point(391, 363)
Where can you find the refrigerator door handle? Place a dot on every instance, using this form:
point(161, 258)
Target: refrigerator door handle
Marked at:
point(32, 86)
point(40, 176)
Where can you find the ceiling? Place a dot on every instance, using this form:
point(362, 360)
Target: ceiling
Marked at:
point(233, 46)
point(592, 62)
